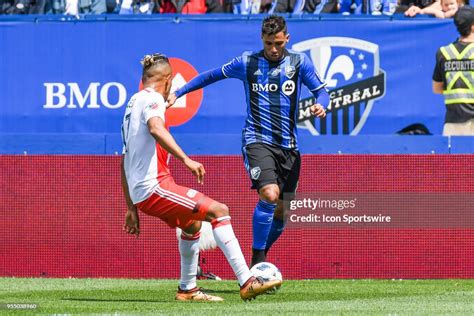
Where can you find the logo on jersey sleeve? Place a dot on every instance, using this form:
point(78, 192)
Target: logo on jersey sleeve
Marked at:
point(153, 106)
point(351, 69)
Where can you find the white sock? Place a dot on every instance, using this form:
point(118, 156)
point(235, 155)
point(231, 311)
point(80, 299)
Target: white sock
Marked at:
point(228, 243)
point(189, 251)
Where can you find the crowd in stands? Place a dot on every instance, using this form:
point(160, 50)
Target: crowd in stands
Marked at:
point(411, 8)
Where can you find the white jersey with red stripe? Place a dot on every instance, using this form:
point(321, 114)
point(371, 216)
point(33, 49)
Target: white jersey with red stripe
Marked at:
point(145, 161)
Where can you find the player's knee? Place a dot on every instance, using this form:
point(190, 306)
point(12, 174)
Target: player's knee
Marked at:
point(192, 229)
point(217, 210)
point(270, 194)
point(223, 210)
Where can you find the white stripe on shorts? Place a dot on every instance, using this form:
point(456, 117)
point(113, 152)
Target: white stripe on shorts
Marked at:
point(176, 198)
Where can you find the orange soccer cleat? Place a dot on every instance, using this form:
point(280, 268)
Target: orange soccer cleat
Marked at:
point(196, 294)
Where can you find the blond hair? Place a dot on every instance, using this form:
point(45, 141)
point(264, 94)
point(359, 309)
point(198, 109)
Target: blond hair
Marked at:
point(151, 61)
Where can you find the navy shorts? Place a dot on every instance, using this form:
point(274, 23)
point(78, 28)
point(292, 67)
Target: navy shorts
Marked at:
point(270, 164)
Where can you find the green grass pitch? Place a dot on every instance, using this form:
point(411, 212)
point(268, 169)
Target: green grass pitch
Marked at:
point(309, 297)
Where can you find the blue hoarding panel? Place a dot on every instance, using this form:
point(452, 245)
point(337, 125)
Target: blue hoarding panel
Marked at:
point(462, 145)
point(75, 77)
point(30, 144)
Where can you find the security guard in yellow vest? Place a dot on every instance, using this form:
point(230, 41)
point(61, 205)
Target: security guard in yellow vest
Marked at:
point(454, 76)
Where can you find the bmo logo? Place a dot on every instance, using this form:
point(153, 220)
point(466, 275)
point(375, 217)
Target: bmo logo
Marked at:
point(112, 95)
point(288, 87)
point(258, 87)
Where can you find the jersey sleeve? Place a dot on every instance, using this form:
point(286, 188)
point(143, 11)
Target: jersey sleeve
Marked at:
point(235, 68)
point(154, 106)
point(200, 81)
point(310, 76)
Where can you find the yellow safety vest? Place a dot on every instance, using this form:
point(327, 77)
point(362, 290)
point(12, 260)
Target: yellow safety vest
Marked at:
point(459, 83)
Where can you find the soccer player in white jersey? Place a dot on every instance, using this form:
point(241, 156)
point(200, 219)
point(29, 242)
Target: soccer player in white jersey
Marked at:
point(148, 186)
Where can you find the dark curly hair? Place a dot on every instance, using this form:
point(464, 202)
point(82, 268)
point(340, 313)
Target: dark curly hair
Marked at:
point(273, 24)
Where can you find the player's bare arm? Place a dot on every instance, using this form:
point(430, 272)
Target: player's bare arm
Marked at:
point(132, 221)
point(438, 87)
point(157, 129)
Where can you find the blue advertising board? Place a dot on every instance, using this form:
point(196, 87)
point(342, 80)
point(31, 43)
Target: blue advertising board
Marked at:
point(74, 77)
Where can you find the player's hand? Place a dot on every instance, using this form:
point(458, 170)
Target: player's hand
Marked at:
point(132, 222)
point(196, 168)
point(171, 100)
point(318, 111)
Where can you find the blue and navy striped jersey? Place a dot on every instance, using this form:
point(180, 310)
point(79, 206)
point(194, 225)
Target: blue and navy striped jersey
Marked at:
point(272, 91)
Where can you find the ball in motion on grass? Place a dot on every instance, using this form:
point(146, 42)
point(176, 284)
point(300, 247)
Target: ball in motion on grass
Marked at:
point(267, 271)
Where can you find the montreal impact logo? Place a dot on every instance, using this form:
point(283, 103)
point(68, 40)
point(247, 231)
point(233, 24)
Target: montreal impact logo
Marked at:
point(351, 69)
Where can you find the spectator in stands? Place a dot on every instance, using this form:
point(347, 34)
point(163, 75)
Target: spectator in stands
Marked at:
point(91, 6)
point(454, 76)
point(68, 7)
point(111, 6)
point(373, 7)
point(411, 7)
point(441, 9)
point(14, 6)
point(188, 6)
point(283, 6)
point(39, 6)
point(276, 6)
point(74, 7)
point(136, 6)
point(321, 6)
point(228, 5)
point(445, 9)
point(299, 6)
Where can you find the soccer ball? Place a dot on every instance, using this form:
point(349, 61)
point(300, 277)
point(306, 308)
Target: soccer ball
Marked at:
point(267, 271)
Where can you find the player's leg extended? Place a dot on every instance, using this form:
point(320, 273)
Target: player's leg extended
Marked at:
point(262, 220)
point(289, 174)
point(179, 207)
point(189, 251)
point(261, 163)
point(182, 207)
point(218, 215)
point(278, 225)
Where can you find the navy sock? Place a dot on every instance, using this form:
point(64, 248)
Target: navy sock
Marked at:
point(262, 222)
point(275, 231)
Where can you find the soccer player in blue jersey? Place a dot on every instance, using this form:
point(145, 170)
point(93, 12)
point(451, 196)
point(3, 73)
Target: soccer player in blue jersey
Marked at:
point(272, 81)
